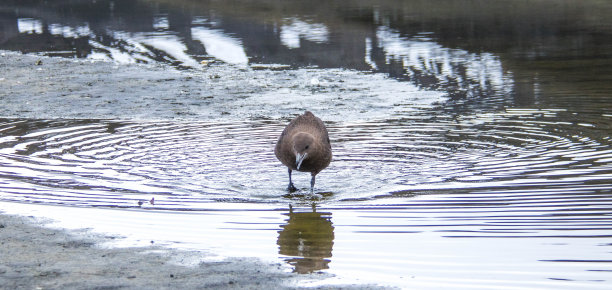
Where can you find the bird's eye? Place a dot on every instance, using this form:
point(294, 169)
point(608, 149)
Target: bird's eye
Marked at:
point(307, 146)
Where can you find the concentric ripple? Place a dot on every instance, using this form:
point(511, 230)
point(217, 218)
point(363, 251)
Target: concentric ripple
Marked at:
point(184, 165)
point(516, 198)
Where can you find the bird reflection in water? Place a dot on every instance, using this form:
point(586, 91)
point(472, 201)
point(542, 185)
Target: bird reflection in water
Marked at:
point(307, 238)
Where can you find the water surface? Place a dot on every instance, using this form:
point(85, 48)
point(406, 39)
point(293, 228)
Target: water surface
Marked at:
point(471, 147)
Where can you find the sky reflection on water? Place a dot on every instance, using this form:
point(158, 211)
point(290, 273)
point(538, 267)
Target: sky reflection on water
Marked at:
point(448, 46)
point(471, 144)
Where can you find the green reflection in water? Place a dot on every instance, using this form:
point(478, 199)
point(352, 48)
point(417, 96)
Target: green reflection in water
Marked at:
point(307, 238)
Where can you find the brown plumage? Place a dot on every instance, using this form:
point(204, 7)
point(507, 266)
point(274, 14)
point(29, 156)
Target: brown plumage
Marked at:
point(304, 146)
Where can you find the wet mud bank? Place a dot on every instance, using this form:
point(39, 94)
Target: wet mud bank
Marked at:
point(47, 87)
point(37, 257)
point(43, 87)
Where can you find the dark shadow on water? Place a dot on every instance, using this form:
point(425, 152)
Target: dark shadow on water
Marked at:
point(307, 238)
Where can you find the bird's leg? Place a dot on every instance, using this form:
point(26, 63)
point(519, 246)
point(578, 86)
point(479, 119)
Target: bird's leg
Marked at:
point(291, 188)
point(312, 183)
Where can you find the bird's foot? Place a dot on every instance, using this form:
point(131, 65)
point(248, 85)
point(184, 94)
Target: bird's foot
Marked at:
point(291, 188)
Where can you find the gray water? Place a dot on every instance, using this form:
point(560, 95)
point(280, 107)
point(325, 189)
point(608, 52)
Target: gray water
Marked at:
point(471, 146)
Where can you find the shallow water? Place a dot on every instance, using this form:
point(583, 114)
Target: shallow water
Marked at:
point(459, 160)
point(503, 200)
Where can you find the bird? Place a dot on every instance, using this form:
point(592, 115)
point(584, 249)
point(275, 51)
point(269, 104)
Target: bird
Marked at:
point(304, 146)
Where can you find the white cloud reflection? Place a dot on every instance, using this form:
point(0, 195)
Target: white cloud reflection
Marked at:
point(220, 46)
point(142, 46)
point(35, 26)
point(29, 25)
point(68, 31)
point(295, 30)
point(138, 47)
point(170, 44)
point(446, 64)
point(161, 22)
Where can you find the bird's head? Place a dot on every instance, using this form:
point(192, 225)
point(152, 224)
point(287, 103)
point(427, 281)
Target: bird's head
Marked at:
point(303, 145)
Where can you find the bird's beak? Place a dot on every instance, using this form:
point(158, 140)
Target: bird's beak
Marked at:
point(299, 158)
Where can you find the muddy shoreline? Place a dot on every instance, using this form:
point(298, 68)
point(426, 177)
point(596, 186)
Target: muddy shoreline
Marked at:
point(35, 257)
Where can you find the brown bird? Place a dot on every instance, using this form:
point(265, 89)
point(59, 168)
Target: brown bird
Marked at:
point(304, 146)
